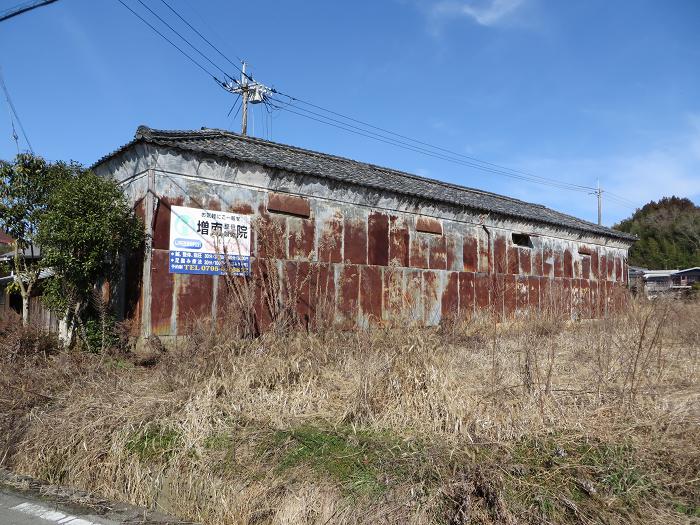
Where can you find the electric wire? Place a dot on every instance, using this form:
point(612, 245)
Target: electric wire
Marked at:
point(207, 40)
point(386, 136)
point(12, 107)
point(473, 159)
point(200, 66)
point(23, 8)
point(394, 142)
point(184, 39)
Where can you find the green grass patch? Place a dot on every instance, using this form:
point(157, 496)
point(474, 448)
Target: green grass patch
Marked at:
point(154, 442)
point(363, 463)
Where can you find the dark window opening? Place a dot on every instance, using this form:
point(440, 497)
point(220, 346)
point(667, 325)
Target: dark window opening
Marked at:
point(522, 239)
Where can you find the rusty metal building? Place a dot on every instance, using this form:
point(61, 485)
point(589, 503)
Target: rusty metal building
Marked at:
point(384, 243)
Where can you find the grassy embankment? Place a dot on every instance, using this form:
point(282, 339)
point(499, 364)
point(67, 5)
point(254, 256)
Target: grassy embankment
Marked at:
point(537, 422)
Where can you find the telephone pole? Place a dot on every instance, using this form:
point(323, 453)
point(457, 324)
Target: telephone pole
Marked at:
point(251, 92)
point(599, 192)
point(244, 94)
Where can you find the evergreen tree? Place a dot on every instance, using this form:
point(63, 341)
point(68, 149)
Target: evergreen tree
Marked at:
point(669, 234)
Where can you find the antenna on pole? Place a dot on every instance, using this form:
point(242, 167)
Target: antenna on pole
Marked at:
point(251, 91)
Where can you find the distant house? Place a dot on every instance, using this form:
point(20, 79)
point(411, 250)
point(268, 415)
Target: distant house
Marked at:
point(657, 282)
point(664, 282)
point(686, 278)
point(11, 302)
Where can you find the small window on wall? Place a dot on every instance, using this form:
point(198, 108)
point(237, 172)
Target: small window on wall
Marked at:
point(522, 239)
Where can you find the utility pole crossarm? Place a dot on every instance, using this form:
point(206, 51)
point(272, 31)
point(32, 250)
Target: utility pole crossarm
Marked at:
point(251, 91)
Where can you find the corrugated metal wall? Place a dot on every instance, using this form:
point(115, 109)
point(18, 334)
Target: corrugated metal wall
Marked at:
point(357, 265)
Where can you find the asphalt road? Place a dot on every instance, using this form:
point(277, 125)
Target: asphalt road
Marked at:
point(18, 509)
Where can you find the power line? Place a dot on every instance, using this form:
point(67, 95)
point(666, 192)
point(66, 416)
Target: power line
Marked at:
point(206, 39)
point(14, 111)
point(473, 159)
point(200, 66)
point(401, 144)
point(184, 39)
point(386, 136)
point(23, 8)
point(393, 142)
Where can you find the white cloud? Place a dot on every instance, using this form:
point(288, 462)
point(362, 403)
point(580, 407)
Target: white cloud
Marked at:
point(484, 12)
point(671, 168)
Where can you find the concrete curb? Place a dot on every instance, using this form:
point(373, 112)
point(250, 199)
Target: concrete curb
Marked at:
point(82, 501)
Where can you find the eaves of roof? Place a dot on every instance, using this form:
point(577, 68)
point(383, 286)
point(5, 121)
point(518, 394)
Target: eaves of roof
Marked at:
point(228, 145)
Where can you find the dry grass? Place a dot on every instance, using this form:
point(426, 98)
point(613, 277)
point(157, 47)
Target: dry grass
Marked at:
point(472, 422)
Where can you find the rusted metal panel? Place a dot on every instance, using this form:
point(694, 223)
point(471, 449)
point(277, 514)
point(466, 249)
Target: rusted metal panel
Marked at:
point(500, 262)
point(296, 289)
point(330, 243)
point(432, 294)
point(349, 294)
point(497, 291)
point(586, 267)
point(618, 269)
point(533, 285)
point(429, 225)
point(414, 297)
point(161, 223)
point(537, 266)
point(262, 272)
point(162, 292)
point(513, 260)
point(371, 294)
point(485, 251)
point(301, 238)
point(585, 298)
point(525, 257)
point(568, 263)
point(271, 236)
point(466, 293)
point(355, 240)
point(470, 254)
point(398, 241)
point(546, 300)
point(242, 208)
point(510, 292)
point(611, 267)
point(453, 246)
point(194, 293)
point(482, 289)
point(450, 295)
point(594, 264)
point(393, 279)
point(322, 295)
point(438, 253)
point(420, 250)
point(558, 264)
point(603, 267)
point(290, 204)
point(547, 261)
point(378, 238)
point(522, 296)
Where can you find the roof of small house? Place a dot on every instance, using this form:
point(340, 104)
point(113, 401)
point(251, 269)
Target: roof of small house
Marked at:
point(226, 144)
point(694, 269)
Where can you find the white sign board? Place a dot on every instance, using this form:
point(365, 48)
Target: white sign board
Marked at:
point(209, 242)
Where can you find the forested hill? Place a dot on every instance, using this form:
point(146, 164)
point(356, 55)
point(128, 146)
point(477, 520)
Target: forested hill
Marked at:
point(669, 234)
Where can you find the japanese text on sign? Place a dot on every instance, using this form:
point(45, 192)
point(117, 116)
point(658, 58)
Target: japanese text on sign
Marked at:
point(209, 242)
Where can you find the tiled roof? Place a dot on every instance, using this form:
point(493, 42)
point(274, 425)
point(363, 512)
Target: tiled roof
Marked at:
point(220, 143)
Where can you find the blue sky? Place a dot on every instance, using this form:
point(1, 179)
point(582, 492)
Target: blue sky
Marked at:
point(573, 91)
